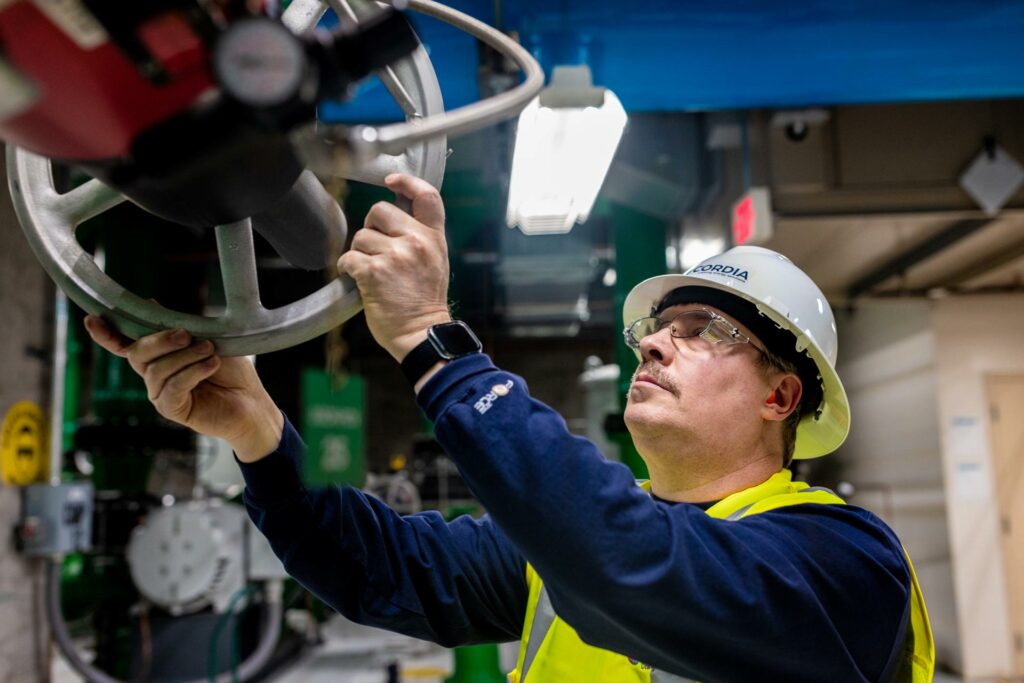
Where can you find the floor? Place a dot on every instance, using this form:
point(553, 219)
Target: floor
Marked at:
point(358, 654)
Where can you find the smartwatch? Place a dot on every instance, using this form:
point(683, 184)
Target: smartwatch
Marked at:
point(445, 341)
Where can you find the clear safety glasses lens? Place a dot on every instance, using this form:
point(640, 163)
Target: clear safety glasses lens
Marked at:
point(685, 325)
point(707, 325)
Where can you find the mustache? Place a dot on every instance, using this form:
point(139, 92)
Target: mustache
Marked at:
point(655, 371)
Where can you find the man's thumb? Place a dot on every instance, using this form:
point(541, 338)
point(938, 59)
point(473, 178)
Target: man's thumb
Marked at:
point(427, 206)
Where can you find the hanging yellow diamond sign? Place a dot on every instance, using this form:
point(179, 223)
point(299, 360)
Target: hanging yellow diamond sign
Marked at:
point(23, 445)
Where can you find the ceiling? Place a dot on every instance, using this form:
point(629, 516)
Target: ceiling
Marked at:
point(872, 202)
point(858, 252)
point(679, 55)
point(869, 204)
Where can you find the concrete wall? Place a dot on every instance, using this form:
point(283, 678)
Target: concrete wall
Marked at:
point(887, 361)
point(976, 336)
point(26, 299)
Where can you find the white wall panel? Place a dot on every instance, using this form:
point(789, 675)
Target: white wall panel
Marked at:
point(975, 337)
point(892, 457)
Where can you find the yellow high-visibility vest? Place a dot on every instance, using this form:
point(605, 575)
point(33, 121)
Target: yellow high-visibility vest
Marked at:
point(550, 651)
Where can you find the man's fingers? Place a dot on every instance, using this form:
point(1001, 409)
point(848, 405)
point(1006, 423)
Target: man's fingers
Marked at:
point(175, 400)
point(156, 357)
point(388, 219)
point(427, 206)
point(370, 241)
point(147, 349)
point(354, 264)
point(106, 336)
point(158, 372)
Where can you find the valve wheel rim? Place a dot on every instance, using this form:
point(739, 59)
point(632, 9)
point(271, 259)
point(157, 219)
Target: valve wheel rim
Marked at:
point(49, 220)
point(248, 328)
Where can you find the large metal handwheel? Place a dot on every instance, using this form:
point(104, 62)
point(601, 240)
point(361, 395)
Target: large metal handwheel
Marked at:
point(418, 146)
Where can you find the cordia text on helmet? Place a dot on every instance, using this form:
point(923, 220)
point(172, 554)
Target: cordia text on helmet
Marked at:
point(731, 271)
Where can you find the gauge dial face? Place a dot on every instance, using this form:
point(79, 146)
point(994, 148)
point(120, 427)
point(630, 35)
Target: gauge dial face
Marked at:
point(260, 62)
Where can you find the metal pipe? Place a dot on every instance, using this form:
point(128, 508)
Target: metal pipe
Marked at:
point(59, 629)
point(916, 255)
point(60, 363)
point(711, 161)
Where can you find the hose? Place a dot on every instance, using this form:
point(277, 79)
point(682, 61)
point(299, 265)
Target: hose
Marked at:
point(269, 634)
point(228, 615)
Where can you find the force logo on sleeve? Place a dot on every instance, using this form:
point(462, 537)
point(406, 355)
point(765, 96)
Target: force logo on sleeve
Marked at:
point(23, 453)
point(496, 392)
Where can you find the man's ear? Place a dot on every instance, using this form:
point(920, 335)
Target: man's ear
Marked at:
point(781, 401)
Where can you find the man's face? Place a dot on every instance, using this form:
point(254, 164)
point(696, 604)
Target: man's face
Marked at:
point(693, 392)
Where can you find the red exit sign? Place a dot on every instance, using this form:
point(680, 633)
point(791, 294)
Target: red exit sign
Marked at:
point(752, 217)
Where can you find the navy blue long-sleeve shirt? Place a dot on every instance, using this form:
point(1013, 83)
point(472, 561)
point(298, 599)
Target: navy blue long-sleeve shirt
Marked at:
point(803, 593)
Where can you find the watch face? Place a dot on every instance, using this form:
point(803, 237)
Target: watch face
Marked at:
point(453, 339)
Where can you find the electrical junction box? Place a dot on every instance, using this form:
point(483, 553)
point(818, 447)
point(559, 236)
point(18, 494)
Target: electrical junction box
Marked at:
point(56, 520)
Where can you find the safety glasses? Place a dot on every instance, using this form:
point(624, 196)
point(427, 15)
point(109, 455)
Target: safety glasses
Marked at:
point(703, 324)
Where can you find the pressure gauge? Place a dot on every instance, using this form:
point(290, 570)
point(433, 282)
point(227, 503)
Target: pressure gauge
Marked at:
point(260, 62)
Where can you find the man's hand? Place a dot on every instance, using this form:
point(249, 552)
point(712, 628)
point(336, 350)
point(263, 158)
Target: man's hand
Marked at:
point(400, 263)
point(188, 384)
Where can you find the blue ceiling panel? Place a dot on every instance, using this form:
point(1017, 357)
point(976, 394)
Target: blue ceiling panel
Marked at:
point(757, 53)
point(669, 55)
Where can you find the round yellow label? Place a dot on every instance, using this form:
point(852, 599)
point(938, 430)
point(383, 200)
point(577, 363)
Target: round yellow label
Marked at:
point(23, 445)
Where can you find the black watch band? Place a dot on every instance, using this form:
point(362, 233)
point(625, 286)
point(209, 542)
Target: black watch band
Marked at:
point(444, 342)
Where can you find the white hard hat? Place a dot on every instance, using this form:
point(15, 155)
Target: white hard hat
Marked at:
point(787, 297)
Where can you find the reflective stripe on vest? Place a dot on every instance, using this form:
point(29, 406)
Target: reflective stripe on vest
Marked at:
point(543, 618)
point(918, 651)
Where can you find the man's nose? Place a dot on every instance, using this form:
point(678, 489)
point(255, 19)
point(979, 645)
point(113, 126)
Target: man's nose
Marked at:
point(658, 347)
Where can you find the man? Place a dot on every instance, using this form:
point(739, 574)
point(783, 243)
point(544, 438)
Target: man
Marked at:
point(719, 569)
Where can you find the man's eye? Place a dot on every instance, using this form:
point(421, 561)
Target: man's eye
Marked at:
point(688, 328)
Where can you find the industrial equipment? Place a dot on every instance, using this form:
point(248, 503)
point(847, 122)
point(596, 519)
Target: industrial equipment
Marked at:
point(204, 130)
point(203, 113)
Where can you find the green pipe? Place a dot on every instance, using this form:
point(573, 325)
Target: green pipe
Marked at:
point(477, 664)
point(639, 254)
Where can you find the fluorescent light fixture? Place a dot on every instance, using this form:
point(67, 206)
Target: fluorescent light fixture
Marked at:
point(564, 147)
point(693, 250)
